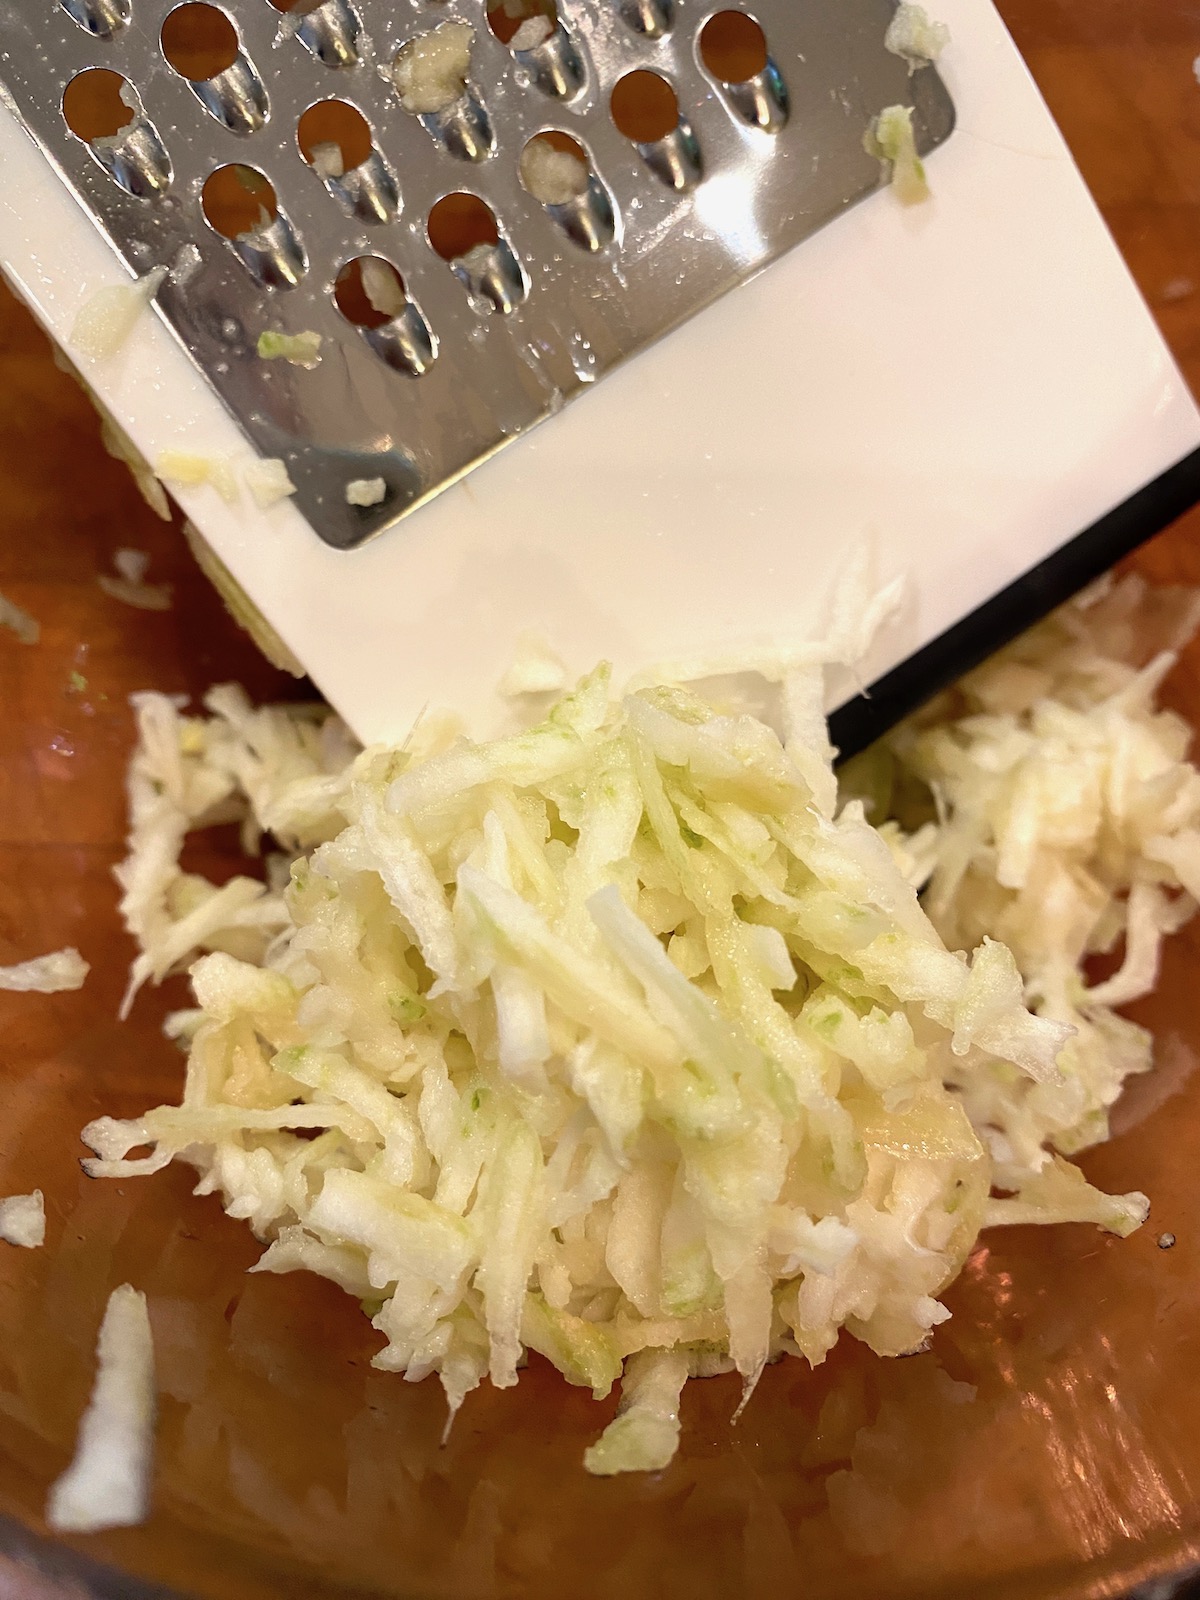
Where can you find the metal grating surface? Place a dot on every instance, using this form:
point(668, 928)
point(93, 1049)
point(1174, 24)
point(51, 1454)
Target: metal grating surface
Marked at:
point(748, 194)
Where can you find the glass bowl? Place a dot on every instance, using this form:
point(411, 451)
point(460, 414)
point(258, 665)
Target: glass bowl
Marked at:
point(1047, 1445)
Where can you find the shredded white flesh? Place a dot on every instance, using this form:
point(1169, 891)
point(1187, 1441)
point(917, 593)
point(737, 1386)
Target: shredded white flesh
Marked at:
point(1067, 825)
point(107, 1485)
point(108, 317)
point(23, 1220)
point(430, 72)
point(62, 969)
point(890, 139)
point(18, 621)
point(268, 481)
point(298, 349)
point(915, 37)
point(382, 287)
point(328, 161)
point(531, 33)
point(615, 1036)
point(555, 177)
point(366, 491)
point(185, 470)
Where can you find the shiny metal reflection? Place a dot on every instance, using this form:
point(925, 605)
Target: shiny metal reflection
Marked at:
point(465, 129)
point(493, 273)
point(554, 65)
point(272, 253)
point(675, 160)
point(331, 33)
point(101, 17)
point(762, 101)
point(236, 98)
point(136, 158)
point(407, 343)
point(651, 17)
point(368, 191)
point(590, 219)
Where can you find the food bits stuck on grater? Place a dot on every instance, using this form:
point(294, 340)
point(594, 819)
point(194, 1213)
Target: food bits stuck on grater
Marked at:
point(450, 201)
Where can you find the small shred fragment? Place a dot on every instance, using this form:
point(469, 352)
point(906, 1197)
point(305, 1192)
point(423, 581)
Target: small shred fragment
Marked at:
point(327, 162)
point(383, 289)
point(430, 72)
point(914, 36)
point(108, 317)
point(298, 349)
point(12, 616)
point(129, 584)
point(532, 32)
point(184, 469)
point(1166, 1241)
point(644, 1435)
point(23, 1220)
point(268, 482)
point(51, 974)
point(535, 669)
point(366, 491)
point(555, 177)
point(107, 1484)
point(890, 139)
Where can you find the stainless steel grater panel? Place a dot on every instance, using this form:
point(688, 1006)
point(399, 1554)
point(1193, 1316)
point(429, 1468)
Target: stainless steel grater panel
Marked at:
point(664, 229)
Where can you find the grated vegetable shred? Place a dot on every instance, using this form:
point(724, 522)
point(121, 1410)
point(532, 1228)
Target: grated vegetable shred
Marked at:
point(624, 1041)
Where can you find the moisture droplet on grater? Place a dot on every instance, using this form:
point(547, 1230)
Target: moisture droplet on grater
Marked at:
point(277, 157)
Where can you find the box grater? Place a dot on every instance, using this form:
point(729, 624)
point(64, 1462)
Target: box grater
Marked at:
point(966, 385)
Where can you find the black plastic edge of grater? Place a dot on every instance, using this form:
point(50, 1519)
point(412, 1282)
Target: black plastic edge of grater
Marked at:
point(858, 723)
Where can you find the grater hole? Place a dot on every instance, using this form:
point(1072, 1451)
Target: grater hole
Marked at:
point(236, 200)
point(199, 41)
point(523, 24)
point(557, 171)
point(377, 301)
point(555, 168)
point(460, 223)
point(644, 107)
point(333, 123)
point(370, 293)
point(464, 232)
point(94, 106)
point(733, 47)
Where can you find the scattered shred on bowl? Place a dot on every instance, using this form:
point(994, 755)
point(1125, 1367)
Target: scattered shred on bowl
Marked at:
point(23, 1220)
point(107, 1484)
point(17, 620)
point(51, 974)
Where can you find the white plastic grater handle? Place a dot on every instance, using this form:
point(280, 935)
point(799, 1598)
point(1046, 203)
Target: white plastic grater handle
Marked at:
point(968, 384)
